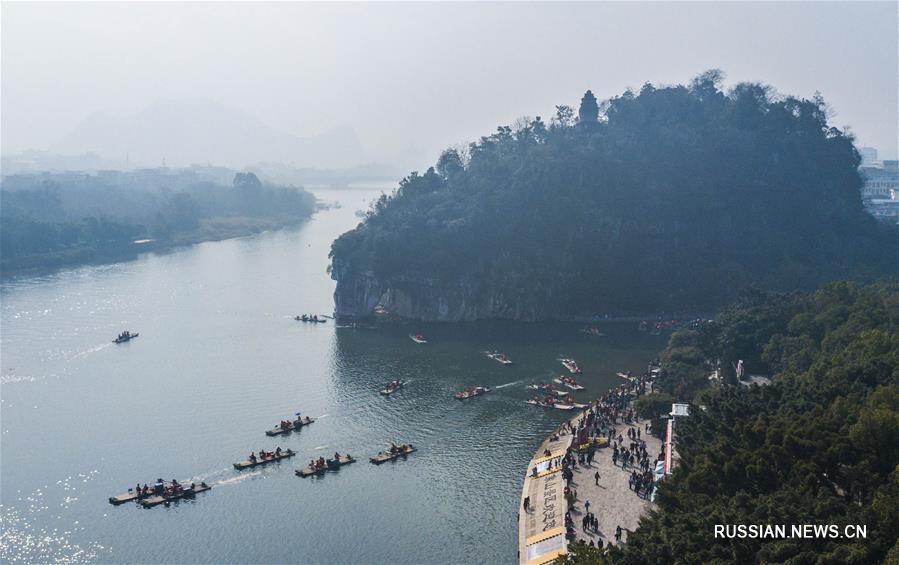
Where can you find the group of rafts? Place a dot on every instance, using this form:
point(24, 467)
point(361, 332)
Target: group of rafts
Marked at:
point(321, 465)
point(554, 397)
point(164, 493)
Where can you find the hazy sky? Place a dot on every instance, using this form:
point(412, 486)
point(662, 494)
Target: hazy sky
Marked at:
point(414, 78)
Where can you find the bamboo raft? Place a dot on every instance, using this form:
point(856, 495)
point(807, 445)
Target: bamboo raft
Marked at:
point(124, 339)
point(260, 461)
point(297, 425)
point(567, 382)
point(499, 358)
point(387, 456)
point(330, 465)
point(128, 497)
point(387, 391)
point(156, 500)
point(558, 406)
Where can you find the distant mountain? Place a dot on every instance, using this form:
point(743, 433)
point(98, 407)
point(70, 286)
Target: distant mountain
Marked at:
point(200, 131)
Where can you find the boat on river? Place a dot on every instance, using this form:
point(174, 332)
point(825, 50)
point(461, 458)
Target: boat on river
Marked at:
point(310, 319)
point(626, 376)
point(499, 357)
point(125, 336)
point(288, 426)
point(571, 365)
point(418, 338)
point(163, 491)
point(551, 403)
point(592, 330)
point(569, 382)
point(265, 459)
point(392, 453)
point(130, 496)
point(322, 466)
point(188, 492)
point(544, 387)
point(471, 392)
point(392, 387)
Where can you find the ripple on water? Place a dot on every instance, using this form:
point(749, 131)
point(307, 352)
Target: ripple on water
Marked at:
point(22, 540)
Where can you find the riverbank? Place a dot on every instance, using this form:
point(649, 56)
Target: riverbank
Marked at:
point(209, 229)
point(541, 512)
point(600, 485)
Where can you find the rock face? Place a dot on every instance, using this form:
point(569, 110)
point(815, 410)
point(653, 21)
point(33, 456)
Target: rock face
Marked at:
point(358, 294)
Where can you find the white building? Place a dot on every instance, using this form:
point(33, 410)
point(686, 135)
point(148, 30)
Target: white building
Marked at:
point(677, 411)
point(880, 182)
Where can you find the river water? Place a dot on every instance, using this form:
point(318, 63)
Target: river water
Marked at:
point(219, 360)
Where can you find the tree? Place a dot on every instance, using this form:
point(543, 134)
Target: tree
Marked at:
point(564, 117)
point(449, 164)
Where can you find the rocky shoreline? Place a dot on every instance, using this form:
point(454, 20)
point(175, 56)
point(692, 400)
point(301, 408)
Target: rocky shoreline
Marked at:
point(360, 296)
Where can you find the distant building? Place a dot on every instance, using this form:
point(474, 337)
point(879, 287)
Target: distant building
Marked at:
point(868, 155)
point(880, 182)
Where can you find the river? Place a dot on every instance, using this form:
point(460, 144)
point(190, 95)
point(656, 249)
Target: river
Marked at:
point(219, 360)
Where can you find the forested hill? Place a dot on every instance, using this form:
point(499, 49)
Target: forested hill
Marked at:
point(673, 198)
point(820, 445)
point(51, 220)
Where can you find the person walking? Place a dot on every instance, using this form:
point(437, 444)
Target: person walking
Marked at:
point(587, 505)
point(596, 477)
point(618, 534)
point(527, 503)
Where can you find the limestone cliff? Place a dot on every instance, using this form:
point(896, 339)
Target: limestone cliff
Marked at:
point(358, 295)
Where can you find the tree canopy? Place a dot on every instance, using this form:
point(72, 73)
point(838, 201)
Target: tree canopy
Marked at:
point(50, 220)
point(820, 445)
point(676, 198)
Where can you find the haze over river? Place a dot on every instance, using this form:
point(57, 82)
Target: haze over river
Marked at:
point(219, 360)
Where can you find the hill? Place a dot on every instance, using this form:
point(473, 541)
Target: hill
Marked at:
point(670, 199)
point(201, 131)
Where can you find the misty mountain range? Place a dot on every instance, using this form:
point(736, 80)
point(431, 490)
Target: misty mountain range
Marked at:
point(201, 131)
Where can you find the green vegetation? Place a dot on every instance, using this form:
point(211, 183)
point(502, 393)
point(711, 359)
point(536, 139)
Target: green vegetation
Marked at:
point(73, 219)
point(820, 445)
point(674, 198)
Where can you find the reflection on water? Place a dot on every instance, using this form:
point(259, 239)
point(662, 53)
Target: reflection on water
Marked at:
point(220, 360)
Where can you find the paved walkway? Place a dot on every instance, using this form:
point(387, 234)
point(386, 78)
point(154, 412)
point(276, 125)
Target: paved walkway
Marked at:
point(612, 501)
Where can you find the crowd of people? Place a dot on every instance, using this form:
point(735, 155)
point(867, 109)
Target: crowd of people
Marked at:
point(603, 420)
